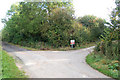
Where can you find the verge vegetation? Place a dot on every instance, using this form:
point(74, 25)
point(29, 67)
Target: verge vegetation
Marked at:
point(9, 68)
point(104, 65)
point(44, 47)
point(106, 55)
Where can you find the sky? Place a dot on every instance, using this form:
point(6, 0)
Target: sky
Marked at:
point(99, 8)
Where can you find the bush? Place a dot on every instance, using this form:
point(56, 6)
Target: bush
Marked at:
point(51, 23)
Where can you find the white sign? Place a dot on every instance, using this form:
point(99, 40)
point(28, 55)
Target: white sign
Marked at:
point(72, 41)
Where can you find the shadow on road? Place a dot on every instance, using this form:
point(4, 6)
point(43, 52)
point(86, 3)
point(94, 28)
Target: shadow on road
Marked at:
point(12, 48)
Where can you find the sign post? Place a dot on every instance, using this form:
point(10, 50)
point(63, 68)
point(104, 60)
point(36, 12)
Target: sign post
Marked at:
point(72, 43)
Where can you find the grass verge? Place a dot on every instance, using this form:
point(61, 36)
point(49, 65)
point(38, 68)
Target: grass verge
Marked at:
point(9, 68)
point(103, 65)
point(0, 63)
point(36, 47)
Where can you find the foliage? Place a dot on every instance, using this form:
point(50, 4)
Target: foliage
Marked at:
point(80, 33)
point(35, 46)
point(60, 25)
point(52, 23)
point(9, 68)
point(0, 56)
point(109, 44)
point(101, 63)
point(30, 21)
point(114, 66)
point(94, 24)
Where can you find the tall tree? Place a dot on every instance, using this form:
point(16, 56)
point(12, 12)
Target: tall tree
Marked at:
point(31, 21)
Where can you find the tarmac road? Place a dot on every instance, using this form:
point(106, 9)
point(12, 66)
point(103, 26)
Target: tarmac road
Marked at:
point(54, 64)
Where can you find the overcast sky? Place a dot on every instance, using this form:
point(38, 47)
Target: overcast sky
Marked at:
point(99, 8)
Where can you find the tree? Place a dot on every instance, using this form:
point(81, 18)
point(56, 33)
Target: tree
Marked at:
point(109, 44)
point(94, 25)
point(33, 21)
point(60, 24)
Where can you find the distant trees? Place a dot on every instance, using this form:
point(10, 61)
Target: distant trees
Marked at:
point(52, 23)
point(94, 25)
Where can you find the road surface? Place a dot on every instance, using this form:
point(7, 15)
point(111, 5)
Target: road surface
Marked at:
point(54, 64)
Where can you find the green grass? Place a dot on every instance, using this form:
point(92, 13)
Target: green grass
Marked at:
point(0, 64)
point(9, 68)
point(103, 65)
point(77, 47)
point(44, 46)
